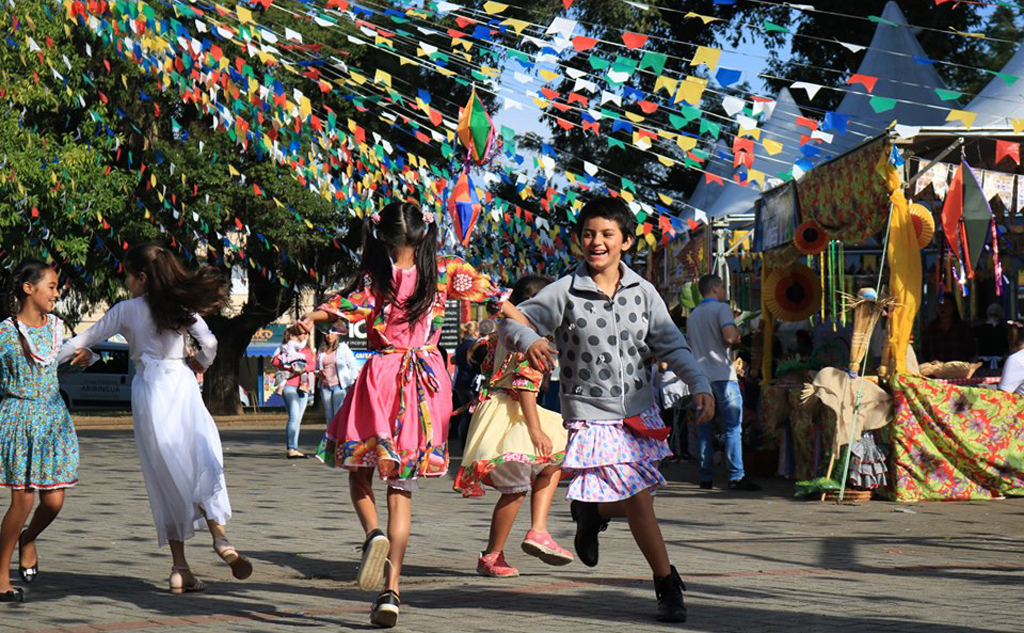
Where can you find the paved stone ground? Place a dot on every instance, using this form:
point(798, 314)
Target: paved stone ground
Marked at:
point(752, 562)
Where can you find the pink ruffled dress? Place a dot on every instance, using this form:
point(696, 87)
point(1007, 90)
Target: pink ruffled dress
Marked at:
point(395, 417)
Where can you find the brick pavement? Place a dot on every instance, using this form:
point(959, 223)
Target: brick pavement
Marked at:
point(760, 562)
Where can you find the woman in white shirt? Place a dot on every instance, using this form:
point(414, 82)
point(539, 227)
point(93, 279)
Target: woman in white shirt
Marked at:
point(338, 369)
point(1013, 369)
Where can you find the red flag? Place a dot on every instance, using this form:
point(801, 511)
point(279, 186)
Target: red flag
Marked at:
point(1006, 148)
point(865, 80)
point(633, 40)
point(953, 210)
point(580, 43)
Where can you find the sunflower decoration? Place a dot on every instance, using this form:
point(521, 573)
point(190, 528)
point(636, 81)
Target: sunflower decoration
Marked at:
point(924, 224)
point(793, 293)
point(810, 238)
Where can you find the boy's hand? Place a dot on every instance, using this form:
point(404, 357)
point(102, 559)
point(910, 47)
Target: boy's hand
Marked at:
point(541, 355)
point(704, 403)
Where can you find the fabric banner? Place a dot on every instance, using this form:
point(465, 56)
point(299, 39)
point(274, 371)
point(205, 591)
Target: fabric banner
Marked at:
point(694, 257)
point(848, 196)
point(955, 443)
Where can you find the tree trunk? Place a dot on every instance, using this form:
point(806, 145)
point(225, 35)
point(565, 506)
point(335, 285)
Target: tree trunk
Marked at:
point(220, 382)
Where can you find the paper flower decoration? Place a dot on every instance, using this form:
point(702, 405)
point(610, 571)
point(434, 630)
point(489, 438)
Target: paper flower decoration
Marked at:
point(924, 224)
point(792, 293)
point(810, 238)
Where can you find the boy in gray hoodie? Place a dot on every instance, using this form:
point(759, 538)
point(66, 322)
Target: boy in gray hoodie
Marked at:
point(607, 323)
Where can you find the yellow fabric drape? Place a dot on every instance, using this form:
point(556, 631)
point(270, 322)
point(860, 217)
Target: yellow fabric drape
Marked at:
point(904, 274)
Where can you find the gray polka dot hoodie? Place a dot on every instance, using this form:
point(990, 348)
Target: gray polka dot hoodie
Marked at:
point(603, 343)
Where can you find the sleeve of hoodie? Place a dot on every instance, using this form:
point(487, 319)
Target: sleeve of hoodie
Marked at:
point(544, 311)
point(670, 346)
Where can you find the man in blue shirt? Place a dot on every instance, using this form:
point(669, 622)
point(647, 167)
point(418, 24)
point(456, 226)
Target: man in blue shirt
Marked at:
point(711, 330)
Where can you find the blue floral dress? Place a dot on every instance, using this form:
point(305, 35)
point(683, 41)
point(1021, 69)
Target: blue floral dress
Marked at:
point(38, 445)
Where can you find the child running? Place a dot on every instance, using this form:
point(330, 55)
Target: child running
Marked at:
point(178, 442)
point(607, 321)
point(38, 445)
point(395, 417)
point(515, 447)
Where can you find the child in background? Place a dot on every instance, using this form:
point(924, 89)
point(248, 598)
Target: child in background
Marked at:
point(395, 417)
point(607, 323)
point(178, 442)
point(38, 445)
point(515, 447)
point(292, 360)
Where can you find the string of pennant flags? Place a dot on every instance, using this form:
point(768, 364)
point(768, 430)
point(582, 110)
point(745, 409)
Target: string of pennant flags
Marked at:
point(323, 151)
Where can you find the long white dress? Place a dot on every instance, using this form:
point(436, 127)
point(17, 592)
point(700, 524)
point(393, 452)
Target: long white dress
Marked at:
point(179, 446)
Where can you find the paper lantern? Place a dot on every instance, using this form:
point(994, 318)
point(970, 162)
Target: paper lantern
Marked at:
point(810, 238)
point(464, 205)
point(924, 224)
point(792, 293)
point(475, 129)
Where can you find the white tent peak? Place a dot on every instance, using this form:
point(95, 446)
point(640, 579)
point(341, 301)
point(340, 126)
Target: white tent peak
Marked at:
point(998, 102)
point(891, 59)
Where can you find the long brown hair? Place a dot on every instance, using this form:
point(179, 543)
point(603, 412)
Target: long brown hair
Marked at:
point(175, 294)
point(400, 224)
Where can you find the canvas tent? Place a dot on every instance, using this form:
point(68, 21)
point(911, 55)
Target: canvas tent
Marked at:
point(998, 102)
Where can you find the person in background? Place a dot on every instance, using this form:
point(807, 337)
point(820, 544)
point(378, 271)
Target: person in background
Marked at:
point(712, 330)
point(1012, 380)
point(947, 337)
point(671, 393)
point(294, 397)
point(991, 337)
point(337, 369)
point(465, 374)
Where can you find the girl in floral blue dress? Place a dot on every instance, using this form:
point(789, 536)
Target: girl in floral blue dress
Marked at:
point(38, 445)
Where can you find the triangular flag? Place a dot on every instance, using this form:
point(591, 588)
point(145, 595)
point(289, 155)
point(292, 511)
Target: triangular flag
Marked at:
point(1006, 148)
point(964, 116)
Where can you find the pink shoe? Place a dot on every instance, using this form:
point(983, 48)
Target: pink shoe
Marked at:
point(494, 565)
point(541, 545)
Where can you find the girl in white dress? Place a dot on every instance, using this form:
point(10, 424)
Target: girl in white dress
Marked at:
point(179, 446)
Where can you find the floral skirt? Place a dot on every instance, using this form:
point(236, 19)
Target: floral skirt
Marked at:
point(38, 445)
point(609, 461)
point(498, 439)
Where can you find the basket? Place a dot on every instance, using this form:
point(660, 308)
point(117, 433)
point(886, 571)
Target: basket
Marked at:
point(850, 497)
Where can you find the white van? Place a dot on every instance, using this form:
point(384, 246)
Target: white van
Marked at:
point(107, 384)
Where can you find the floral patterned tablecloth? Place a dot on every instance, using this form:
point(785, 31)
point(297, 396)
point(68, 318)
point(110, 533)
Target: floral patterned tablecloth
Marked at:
point(955, 443)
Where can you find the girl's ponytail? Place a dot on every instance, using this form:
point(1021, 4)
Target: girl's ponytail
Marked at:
point(175, 294)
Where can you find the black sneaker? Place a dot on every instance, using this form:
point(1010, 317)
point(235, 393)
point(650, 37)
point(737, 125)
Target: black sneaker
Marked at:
point(744, 484)
point(706, 485)
point(669, 590)
point(385, 610)
point(370, 576)
point(588, 525)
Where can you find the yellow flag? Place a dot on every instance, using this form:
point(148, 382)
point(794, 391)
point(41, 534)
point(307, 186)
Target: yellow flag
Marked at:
point(772, 147)
point(686, 143)
point(635, 118)
point(705, 55)
point(964, 116)
point(752, 132)
point(305, 107)
point(627, 195)
point(517, 25)
point(547, 75)
point(382, 77)
point(756, 176)
point(666, 83)
point(244, 15)
point(691, 90)
point(232, 171)
point(706, 19)
point(541, 103)
point(665, 199)
point(1018, 125)
point(666, 161)
point(494, 7)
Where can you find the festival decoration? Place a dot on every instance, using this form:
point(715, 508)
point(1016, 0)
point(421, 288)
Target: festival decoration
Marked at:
point(476, 130)
point(464, 205)
point(966, 217)
point(924, 224)
point(810, 238)
point(792, 293)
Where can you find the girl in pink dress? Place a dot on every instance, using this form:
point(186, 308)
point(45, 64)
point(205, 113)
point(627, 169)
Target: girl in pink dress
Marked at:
point(395, 417)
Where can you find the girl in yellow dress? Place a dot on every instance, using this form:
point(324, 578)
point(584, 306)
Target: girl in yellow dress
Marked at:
point(515, 447)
